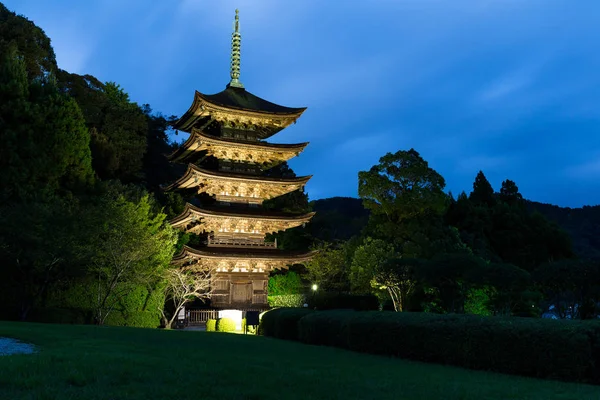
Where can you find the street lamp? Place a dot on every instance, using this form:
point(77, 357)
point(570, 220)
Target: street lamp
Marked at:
point(314, 287)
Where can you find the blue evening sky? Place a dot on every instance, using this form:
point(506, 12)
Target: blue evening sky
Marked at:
point(511, 87)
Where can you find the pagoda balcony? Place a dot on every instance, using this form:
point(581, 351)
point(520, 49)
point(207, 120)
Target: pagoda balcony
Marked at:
point(223, 241)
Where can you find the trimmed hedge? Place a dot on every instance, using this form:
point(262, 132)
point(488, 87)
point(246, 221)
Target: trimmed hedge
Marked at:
point(282, 323)
point(566, 350)
point(286, 300)
point(225, 325)
point(211, 325)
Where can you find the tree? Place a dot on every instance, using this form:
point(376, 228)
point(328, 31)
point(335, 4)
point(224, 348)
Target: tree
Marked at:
point(569, 286)
point(31, 41)
point(483, 193)
point(402, 186)
point(506, 284)
point(285, 284)
point(407, 204)
point(397, 277)
point(367, 258)
point(509, 193)
point(184, 285)
point(44, 144)
point(39, 250)
point(118, 126)
point(328, 268)
point(131, 244)
point(451, 276)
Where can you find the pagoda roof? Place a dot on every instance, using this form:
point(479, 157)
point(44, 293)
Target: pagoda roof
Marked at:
point(194, 170)
point(241, 99)
point(240, 102)
point(238, 212)
point(243, 253)
point(200, 141)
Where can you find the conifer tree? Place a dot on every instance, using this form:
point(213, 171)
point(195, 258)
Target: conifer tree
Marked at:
point(482, 193)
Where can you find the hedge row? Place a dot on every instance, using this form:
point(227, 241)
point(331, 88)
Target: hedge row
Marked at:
point(566, 350)
point(282, 323)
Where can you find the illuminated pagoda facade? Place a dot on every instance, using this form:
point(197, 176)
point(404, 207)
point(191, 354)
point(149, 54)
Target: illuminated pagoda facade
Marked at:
point(227, 156)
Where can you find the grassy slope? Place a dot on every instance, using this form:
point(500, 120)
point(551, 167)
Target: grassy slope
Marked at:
point(87, 362)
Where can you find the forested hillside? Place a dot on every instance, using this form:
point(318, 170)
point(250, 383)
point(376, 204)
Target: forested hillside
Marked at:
point(82, 237)
point(582, 224)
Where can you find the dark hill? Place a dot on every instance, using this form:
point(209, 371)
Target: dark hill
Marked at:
point(338, 218)
point(582, 224)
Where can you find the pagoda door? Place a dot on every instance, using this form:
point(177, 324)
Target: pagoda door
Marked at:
point(241, 292)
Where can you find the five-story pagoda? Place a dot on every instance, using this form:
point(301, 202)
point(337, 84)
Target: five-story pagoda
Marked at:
point(227, 157)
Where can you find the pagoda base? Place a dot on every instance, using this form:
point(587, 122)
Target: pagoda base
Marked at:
point(240, 291)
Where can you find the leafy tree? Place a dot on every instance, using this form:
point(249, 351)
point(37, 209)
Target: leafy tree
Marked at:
point(156, 168)
point(398, 277)
point(407, 203)
point(328, 268)
point(402, 186)
point(506, 284)
point(451, 276)
point(571, 286)
point(367, 258)
point(285, 283)
point(39, 250)
point(474, 225)
point(131, 244)
point(44, 143)
point(31, 42)
point(118, 127)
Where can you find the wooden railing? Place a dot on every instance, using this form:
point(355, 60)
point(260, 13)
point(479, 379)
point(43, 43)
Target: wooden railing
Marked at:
point(196, 317)
point(201, 316)
point(239, 242)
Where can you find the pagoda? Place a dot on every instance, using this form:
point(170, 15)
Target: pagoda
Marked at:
point(227, 158)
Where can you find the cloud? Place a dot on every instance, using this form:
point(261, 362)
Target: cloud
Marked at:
point(585, 171)
point(504, 87)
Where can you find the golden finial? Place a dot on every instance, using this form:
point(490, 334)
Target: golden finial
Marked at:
point(236, 40)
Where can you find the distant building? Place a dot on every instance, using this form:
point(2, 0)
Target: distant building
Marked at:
point(227, 156)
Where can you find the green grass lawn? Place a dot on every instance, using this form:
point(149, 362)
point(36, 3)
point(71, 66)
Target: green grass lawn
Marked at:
point(88, 362)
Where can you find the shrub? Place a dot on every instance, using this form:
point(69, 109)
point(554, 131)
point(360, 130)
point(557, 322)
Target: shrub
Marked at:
point(267, 322)
point(282, 323)
point(286, 300)
point(140, 319)
point(211, 325)
point(225, 325)
point(285, 283)
point(567, 350)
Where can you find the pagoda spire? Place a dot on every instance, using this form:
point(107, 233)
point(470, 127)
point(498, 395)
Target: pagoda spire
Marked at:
point(236, 39)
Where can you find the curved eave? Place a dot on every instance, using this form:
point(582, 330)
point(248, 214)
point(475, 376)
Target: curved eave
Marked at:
point(193, 169)
point(188, 146)
point(243, 100)
point(203, 103)
point(191, 209)
point(268, 255)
